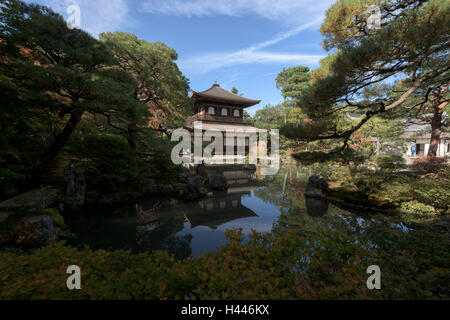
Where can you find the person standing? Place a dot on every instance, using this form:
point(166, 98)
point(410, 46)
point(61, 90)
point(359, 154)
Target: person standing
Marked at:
point(413, 150)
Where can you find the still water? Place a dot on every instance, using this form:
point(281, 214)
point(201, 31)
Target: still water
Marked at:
point(272, 204)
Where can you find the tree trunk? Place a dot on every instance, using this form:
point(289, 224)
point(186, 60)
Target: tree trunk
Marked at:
point(132, 133)
point(55, 148)
point(436, 123)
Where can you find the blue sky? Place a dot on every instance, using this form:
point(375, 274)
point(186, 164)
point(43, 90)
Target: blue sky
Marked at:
point(240, 43)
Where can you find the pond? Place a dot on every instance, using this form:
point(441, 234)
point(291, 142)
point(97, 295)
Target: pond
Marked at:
point(270, 204)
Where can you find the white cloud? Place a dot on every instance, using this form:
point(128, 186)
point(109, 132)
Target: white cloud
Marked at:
point(298, 15)
point(287, 34)
point(253, 54)
point(111, 15)
point(288, 11)
point(212, 61)
point(233, 77)
point(97, 16)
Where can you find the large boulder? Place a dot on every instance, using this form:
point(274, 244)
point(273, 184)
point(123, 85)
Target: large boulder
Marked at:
point(195, 188)
point(165, 189)
point(200, 169)
point(217, 182)
point(184, 176)
point(317, 187)
point(32, 200)
point(195, 183)
point(148, 187)
point(41, 229)
point(75, 188)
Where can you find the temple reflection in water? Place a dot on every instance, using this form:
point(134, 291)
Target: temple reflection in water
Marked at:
point(213, 212)
point(189, 228)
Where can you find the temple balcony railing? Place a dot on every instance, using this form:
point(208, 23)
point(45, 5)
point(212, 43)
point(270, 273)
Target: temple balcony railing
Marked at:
point(209, 117)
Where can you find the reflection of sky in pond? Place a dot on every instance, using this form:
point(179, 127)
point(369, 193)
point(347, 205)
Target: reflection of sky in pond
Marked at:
point(206, 239)
point(194, 227)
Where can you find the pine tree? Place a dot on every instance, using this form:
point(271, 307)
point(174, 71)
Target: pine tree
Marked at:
point(58, 73)
point(161, 85)
point(411, 45)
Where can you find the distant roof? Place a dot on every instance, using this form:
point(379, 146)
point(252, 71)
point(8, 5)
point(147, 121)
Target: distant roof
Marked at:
point(421, 135)
point(216, 93)
point(420, 131)
point(418, 127)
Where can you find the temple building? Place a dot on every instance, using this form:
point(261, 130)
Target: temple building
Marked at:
point(222, 110)
point(419, 136)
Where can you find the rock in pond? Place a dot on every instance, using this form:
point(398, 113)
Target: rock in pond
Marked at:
point(75, 187)
point(165, 189)
point(317, 187)
point(184, 176)
point(200, 169)
point(195, 188)
point(217, 182)
point(148, 188)
point(42, 229)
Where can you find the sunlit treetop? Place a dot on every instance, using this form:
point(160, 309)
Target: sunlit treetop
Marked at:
point(412, 42)
point(348, 21)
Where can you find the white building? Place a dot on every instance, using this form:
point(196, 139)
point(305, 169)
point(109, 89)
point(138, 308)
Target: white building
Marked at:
point(419, 136)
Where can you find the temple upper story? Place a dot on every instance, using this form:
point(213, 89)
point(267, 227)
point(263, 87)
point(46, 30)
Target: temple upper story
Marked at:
point(219, 105)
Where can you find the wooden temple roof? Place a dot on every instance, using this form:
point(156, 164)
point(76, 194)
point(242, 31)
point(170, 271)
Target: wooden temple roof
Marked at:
point(216, 93)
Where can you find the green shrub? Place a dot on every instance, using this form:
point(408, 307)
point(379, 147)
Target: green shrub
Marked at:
point(430, 165)
point(108, 161)
point(289, 265)
point(10, 177)
point(416, 207)
point(390, 162)
point(367, 181)
point(57, 217)
point(178, 189)
point(434, 193)
point(13, 232)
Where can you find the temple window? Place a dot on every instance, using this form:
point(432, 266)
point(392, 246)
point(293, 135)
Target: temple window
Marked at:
point(237, 113)
point(211, 110)
point(224, 112)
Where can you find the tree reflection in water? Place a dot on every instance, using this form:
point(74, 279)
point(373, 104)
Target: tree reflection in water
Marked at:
point(271, 204)
point(316, 207)
point(158, 231)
